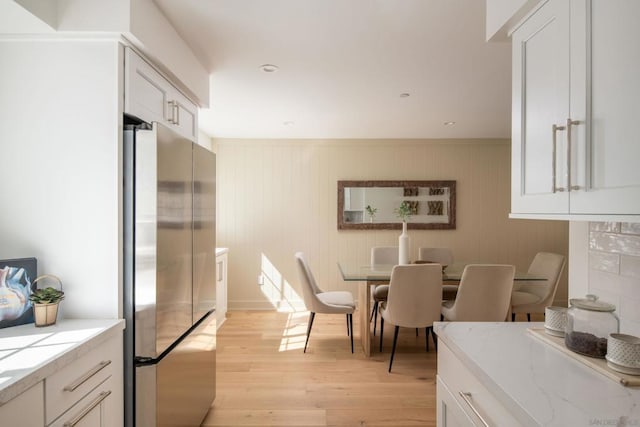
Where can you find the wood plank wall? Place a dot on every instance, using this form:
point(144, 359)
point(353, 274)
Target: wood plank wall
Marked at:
point(276, 197)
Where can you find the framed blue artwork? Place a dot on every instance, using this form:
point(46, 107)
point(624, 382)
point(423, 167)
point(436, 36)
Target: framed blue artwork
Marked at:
point(16, 284)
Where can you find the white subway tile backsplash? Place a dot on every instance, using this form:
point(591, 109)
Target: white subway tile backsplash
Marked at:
point(613, 227)
point(614, 269)
point(630, 228)
point(604, 261)
point(615, 243)
point(619, 285)
point(630, 266)
point(629, 327)
point(629, 309)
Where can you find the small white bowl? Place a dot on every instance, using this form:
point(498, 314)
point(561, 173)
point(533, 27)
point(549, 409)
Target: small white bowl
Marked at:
point(555, 320)
point(624, 350)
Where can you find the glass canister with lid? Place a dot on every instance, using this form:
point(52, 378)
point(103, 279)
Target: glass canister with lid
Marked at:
point(589, 323)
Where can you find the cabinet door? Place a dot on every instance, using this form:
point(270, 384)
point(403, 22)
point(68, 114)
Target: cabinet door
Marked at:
point(604, 100)
point(94, 410)
point(185, 116)
point(540, 101)
point(221, 289)
point(146, 92)
point(152, 98)
point(26, 409)
point(449, 412)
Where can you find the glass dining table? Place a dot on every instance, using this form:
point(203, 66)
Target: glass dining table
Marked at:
point(369, 275)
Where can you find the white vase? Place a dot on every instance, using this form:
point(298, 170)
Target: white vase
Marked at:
point(403, 246)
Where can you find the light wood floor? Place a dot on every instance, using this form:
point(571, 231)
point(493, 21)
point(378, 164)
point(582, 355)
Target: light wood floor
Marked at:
point(264, 378)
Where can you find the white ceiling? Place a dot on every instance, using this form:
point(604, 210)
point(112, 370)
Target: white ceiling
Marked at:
point(343, 65)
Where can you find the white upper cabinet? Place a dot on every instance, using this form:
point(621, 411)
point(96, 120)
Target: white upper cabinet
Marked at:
point(575, 95)
point(605, 96)
point(540, 105)
point(150, 97)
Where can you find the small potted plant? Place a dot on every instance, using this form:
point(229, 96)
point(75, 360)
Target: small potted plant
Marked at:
point(371, 212)
point(45, 302)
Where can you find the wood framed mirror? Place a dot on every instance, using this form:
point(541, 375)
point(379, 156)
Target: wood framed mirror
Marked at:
point(372, 205)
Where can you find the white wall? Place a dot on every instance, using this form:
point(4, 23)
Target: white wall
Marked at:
point(60, 180)
point(276, 197)
point(612, 268)
point(140, 21)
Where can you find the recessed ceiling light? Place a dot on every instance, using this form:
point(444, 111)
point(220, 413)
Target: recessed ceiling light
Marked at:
point(288, 123)
point(405, 95)
point(269, 68)
point(449, 123)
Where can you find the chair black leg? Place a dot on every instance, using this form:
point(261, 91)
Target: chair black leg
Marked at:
point(375, 316)
point(381, 331)
point(347, 325)
point(393, 350)
point(417, 332)
point(373, 310)
point(350, 323)
point(442, 318)
point(528, 317)
point(426, 337)
point(513, 317)
point(309, 330)
point(435, 339)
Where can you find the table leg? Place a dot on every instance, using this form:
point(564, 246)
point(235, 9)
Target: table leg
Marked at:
point(364, 304)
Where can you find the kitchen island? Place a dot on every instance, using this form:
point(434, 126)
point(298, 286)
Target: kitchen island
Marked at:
point(500, 374)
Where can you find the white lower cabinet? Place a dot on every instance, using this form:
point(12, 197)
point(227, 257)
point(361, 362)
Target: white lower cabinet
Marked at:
point(450, 413)
point(462, 399)
point(88, 391)
point(221, 286)
point(96, 409)
point(24, 410)
point(82, 390)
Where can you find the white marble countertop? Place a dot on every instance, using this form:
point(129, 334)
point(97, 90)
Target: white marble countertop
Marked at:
point(29, 354)
point(538, 384)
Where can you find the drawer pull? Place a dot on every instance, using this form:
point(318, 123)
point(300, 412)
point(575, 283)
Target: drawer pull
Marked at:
point(77, 383)
point(466, 396)
point(102, 396)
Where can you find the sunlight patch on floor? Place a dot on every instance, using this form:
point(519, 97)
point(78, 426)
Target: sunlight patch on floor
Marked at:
point(295, 331)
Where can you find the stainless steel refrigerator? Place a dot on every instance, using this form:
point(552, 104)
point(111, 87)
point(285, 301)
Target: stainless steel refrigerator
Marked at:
point(169, 277)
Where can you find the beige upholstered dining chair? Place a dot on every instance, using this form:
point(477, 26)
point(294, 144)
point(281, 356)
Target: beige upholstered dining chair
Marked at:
point(484, 294)
point(415, 295)
point(534, 296)
point(317, 301)
point(381, 255)
point(442, 256)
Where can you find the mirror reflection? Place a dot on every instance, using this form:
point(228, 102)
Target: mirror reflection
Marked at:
point(375, 204)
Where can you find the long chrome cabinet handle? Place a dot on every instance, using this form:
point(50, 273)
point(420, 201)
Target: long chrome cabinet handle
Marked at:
point(102, 396)
point(172, 112)
point(466, 396)
point(91, 372)
point(176, 116)
point(570, 123)
point(554, 130)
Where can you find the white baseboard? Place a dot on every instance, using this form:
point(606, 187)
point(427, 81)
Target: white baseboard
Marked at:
point(287, 306)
